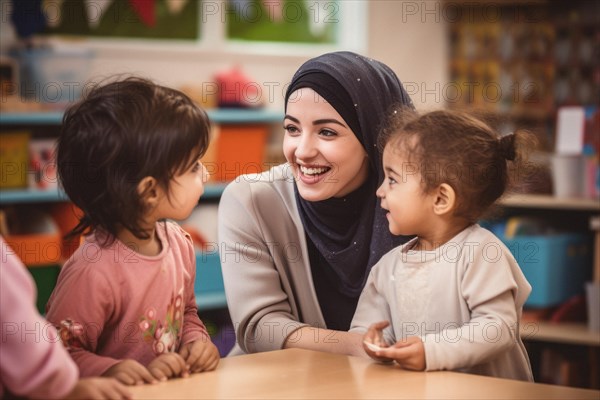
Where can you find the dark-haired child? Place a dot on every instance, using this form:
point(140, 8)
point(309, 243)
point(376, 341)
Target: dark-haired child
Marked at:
point(451, 298)
point(128, 157)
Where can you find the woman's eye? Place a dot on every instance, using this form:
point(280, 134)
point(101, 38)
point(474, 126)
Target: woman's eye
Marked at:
point(327, 133)
point(196, 167)
point(291, 129)
point(391, 181)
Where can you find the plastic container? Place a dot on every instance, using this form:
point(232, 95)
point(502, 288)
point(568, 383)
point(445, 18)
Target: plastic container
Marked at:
point(556, 266)
point(53, 74)
point(14, 159)
point(209, 278)
point(240, 149)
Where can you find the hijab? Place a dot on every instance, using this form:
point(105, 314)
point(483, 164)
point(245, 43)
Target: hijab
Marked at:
point(350, 234)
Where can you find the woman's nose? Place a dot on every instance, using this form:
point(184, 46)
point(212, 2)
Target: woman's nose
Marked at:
point(306, 147)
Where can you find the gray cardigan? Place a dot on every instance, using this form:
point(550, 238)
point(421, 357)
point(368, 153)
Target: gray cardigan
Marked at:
point(265, 263)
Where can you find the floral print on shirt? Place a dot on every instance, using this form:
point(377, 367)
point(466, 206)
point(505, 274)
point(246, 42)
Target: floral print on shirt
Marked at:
point(164, 336)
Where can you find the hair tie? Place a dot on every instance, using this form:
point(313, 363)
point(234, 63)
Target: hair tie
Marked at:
point(506, 146)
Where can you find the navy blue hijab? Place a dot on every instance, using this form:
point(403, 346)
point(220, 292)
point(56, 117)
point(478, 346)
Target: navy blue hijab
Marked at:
point(349, 235)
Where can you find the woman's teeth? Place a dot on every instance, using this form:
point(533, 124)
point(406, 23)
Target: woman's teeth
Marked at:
point(313, 171)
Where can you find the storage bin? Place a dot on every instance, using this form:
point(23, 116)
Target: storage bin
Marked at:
point(35, 238)
point(53, 75)
point(556, 266)
point(37, 249)
point(209, 278)
point(14, 159)
point(240, 149)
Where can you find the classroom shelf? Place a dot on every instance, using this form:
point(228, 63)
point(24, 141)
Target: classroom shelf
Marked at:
point(549, 202)
point(8, 196)
point(569, 333)
point(210, 301)
point(219, 116)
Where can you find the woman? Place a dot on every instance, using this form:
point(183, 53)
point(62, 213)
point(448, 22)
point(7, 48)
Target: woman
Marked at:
point(298, 241)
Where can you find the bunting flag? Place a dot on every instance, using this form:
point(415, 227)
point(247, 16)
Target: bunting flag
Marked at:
point(53, 12)
point(146, 10)
point(95, 9)
point(175, 6)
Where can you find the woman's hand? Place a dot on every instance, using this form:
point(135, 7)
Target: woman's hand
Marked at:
point(408, 353)
point(375, 336)
point(130, 372)
point(99, 389)
point(200, 355)
point(168, 365)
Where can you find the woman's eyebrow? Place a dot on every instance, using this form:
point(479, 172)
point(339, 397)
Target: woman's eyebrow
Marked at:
point(318, 121)
point(328, 121)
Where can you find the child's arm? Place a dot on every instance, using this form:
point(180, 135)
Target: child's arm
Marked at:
point(33, 362)
point(198, 351)
point(373, 315)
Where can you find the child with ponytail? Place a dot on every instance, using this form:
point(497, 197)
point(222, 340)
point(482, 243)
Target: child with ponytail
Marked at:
point(452, 297)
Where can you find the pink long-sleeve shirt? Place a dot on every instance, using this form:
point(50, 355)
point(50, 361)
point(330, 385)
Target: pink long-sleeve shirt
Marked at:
point(33, 362)
point(112, 303)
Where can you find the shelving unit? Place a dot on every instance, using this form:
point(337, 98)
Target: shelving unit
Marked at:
point(11, 196)
point(218, 116)
point(207, 297)
point(565, 353)
point(549, 202)
point(566, 332)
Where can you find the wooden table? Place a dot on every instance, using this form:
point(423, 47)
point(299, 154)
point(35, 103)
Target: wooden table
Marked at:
point(304, 374)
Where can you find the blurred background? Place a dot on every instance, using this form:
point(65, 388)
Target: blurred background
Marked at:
point(531, 64)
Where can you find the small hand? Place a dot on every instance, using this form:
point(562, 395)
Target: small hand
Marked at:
point(408, 353)
point(168, 365)
point(130, 372)
point(99, 389)
point(374, 337)
point(200, 355)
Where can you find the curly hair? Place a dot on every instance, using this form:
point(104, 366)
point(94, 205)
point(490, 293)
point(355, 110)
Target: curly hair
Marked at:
point(462, 151)
point(119, 133)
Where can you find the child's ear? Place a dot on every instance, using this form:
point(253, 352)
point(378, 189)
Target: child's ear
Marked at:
point(147, 190)
point(444, 200)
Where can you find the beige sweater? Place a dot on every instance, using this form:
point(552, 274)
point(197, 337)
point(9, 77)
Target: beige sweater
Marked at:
point(464, 300)
point(264, 257)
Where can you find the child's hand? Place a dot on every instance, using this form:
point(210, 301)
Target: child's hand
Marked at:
point(130, 372)
point(99, 389)
point(409, 353)
point(201, 355)
point(375, 336)
point(168, 365)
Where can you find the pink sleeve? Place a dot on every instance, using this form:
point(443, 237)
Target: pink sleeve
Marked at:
point(80, 307)
point(33, 363)
point(193, 328)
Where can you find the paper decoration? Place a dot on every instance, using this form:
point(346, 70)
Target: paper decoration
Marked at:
point(570, 130)
point(175, 6)
point(53, 12)
point(95, 10)
point(146, 10)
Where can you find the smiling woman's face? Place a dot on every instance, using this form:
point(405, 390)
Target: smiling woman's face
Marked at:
point(326, 157)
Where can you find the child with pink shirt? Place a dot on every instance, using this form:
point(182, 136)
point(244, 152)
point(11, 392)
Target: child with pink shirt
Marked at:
point(128, 157)
point(33, 362)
